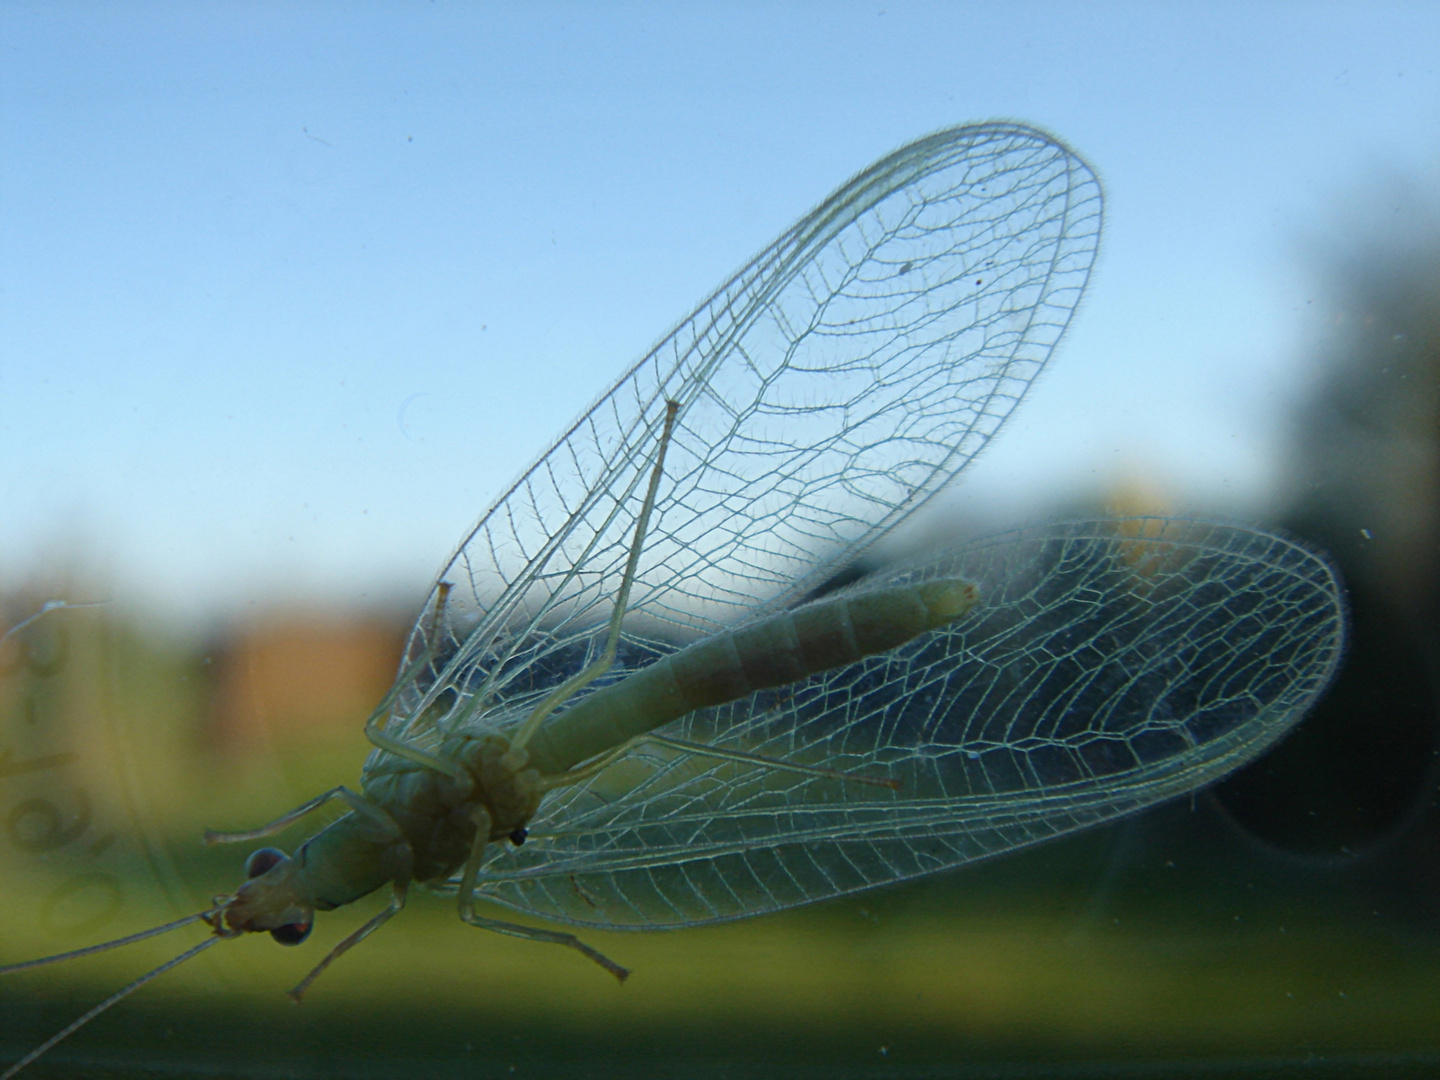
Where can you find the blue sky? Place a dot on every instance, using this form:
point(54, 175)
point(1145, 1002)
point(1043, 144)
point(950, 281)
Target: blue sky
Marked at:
point(289, 292)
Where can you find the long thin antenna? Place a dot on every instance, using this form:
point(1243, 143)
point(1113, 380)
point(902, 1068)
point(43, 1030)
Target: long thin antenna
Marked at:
point(91, 950)
point(119, 995)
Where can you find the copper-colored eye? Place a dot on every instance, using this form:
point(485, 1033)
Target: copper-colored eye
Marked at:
point(263, 859)
point(293, 933)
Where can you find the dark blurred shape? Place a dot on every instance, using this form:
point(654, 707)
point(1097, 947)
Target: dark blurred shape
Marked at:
point(1359, 767)
point(1367, 461)
point(1354, 785)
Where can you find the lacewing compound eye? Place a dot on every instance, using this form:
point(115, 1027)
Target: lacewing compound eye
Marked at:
point(293, 933)
point(261, 860)
point(518, 836)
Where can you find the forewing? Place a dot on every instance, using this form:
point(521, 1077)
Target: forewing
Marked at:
point(824, 392)
point(1109, 665)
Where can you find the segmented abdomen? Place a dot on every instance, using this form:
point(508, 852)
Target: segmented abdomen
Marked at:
point(782, 649)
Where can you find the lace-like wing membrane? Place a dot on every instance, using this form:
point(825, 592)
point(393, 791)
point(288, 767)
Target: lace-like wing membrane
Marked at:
point(1110, 665)
point(827, 390)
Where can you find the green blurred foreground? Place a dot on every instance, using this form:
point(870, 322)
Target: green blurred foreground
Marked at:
point(1170, 937)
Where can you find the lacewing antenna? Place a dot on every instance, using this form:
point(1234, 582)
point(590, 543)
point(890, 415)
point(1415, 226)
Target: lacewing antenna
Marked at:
point(114, 998)
point(90, 950)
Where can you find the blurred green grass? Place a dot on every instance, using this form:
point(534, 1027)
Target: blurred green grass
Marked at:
point(839, 988)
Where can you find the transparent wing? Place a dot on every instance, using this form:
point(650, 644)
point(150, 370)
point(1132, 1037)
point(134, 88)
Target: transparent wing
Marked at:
point(827, 390)
point(1110, 665)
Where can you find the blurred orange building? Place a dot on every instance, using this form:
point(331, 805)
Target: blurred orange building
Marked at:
point(296, 679)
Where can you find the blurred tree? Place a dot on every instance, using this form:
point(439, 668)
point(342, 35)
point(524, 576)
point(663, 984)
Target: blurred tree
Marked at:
point(1353, 787)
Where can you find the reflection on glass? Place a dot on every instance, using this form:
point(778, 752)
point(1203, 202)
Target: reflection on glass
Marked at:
point(267, 285)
